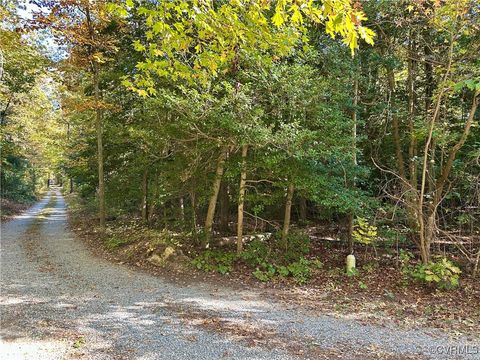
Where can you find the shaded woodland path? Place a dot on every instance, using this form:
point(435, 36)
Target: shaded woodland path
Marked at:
point(60, 301)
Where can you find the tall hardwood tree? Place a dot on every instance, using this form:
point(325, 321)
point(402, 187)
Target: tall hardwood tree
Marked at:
point(87, 32)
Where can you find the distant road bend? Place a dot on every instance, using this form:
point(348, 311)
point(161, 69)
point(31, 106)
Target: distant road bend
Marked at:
point(59, 301)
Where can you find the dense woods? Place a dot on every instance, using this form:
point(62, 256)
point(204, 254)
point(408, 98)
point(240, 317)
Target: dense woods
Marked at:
point(296, 121)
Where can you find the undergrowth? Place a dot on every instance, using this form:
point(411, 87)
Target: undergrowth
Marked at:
point(268, 259)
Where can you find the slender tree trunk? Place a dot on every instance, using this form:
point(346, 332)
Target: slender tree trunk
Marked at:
point(475, 266)
point(194, 211)
point(428, 225)
point(453, 153)
point(429, 80)
point(288, 212)
point(406, 186)
point(224, 207)
point(429, 89)
point(99, 130)
point(98, 121)
point(144, 195)
point(68, 138)
point(354, 160)
point(213, 198)
point(303, 209)
point(426, 219)
point(412, 149)
point(241, 199)
point(153, 199)
point(411, 196)
point(182, 210)
point(395, 125)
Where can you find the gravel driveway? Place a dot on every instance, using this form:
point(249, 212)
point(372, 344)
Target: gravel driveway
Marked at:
point(58, 301)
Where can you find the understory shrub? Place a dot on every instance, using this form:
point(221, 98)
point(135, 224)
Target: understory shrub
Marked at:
point(215, 260)
point(257, 252)
point(298, 246)
point(443, 273)
point(268, 257)
point(271, 260)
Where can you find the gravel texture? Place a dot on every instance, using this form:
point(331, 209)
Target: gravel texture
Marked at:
point(58, 301)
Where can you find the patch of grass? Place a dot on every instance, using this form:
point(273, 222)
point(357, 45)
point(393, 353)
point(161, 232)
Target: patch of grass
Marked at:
point(77, 344)
point(114, 242)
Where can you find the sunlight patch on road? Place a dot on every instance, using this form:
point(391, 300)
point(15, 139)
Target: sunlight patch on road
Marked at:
point(16, 300)
point(32, 349)
point(232, 305)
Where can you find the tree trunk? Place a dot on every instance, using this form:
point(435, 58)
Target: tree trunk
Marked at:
point(354, 160)
point(144, 195)
point(224, 207)
point(153, 199)
point(395, 124)
point(475, 266)
point(350, 225)
point(99, 130)
point(302, 210)
point(426, 221)
point(288, 211)
point(213, 198)
point(68, 138)
point(182, 210)
point(411, 195)
point(412, 100)
point(194, 212)
point(241, 199)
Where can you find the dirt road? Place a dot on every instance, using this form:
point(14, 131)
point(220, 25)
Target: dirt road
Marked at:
point(58, 301)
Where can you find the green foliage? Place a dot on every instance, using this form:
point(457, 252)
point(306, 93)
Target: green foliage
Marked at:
point(215, 260)
point(406, 267)
point(79, 342)
point(259, 252)
point(271, 260)
point(218, 39)
point(370, 267)
point(267, 257)
point(298, 246)
point(256, 252)
point(363, 232)
point(362, 285)
point(442, 273)
point(267, 274)
point(18, 179)
point(300, 270)
point(352, 272)
point(27, 118)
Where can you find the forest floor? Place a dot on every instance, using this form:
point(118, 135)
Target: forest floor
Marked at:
point(10, 208)
point(59, 299)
